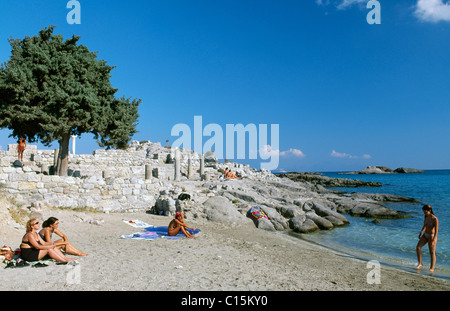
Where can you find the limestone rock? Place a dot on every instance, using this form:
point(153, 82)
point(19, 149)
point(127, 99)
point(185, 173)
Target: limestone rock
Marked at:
point(324, 211)
point(406, 170)
point(302, 224)
point(165, 206)
point(386, 170)
point(265, 224)
point(220, 209)
point(321, 222)
point(326, 181)
point(375, 210)
point(278, 221)
point(210, 158)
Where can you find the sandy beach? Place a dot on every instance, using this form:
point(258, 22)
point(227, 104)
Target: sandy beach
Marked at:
point(220, 258)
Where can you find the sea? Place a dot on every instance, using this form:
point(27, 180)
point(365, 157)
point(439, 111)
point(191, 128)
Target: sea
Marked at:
point(393, 241)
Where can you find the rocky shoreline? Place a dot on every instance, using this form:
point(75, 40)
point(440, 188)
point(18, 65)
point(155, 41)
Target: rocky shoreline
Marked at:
point(301, 205)
point(290, 206)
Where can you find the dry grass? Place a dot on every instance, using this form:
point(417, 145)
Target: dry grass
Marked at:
point(10, 210)
point(81, 209)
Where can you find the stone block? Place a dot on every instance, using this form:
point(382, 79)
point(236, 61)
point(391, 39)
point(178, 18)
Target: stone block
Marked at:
point(26, 186)
point(88, 186)
point(33, 177)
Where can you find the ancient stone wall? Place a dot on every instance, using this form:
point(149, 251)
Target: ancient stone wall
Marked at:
point(108, 180)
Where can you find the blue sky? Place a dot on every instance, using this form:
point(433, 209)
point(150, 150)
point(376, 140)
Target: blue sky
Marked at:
point(345, 94)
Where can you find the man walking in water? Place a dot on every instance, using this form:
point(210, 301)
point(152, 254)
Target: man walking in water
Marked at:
point(21, 145)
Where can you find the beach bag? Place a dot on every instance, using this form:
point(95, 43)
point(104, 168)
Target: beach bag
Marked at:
point(258, 213)
point(7, 252)
point(184, 196)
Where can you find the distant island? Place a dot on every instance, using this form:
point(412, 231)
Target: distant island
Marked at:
point(385, 170)
point(325, 181)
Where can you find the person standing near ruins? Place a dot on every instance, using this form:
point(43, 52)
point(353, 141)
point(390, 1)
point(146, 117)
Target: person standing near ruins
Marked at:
point(21, 145)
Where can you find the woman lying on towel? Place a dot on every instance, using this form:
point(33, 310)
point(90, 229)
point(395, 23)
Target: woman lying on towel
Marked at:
point(34, 248)
point(178, 224)
point(50, 226)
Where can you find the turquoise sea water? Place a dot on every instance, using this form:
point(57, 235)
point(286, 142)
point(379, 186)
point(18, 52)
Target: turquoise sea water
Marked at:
point(393, 242)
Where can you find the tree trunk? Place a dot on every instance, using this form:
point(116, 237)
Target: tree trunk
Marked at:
point(63, 158)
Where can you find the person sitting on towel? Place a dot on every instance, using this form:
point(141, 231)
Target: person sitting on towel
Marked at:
point(178, 224)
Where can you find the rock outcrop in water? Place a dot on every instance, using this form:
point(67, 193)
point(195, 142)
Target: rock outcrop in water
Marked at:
point(386, 170)
point(330, 182)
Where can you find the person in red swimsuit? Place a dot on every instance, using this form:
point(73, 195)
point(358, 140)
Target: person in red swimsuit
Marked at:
point(21, 145)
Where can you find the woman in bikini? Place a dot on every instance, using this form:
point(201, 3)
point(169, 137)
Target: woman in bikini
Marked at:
point(428, 234)
point(50, 226)
point(33, 248)
point(178, 224)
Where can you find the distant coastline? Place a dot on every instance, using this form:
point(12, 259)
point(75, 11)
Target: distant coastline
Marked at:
point(325, 181)
point(384, 170)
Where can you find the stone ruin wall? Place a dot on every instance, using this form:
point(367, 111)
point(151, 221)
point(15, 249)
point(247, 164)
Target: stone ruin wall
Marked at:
point(108, 180)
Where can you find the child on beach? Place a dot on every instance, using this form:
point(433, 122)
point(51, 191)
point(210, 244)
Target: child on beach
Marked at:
point(428, 234)
point(50, 226)
point(177, 224)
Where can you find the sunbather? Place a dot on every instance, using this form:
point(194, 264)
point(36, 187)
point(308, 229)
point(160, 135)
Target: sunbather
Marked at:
point(177, 224)
point(50, 226)
point(34, 248)
point(230, 175)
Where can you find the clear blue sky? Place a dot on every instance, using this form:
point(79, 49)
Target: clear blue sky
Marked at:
point(345, 94)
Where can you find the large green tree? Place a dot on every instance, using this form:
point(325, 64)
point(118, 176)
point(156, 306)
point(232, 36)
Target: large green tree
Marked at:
point(51, 89)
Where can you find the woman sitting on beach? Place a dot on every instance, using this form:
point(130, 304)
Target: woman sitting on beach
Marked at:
point(34, 248)
point(430, 232)
point(178, 224)
point(50, 226)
